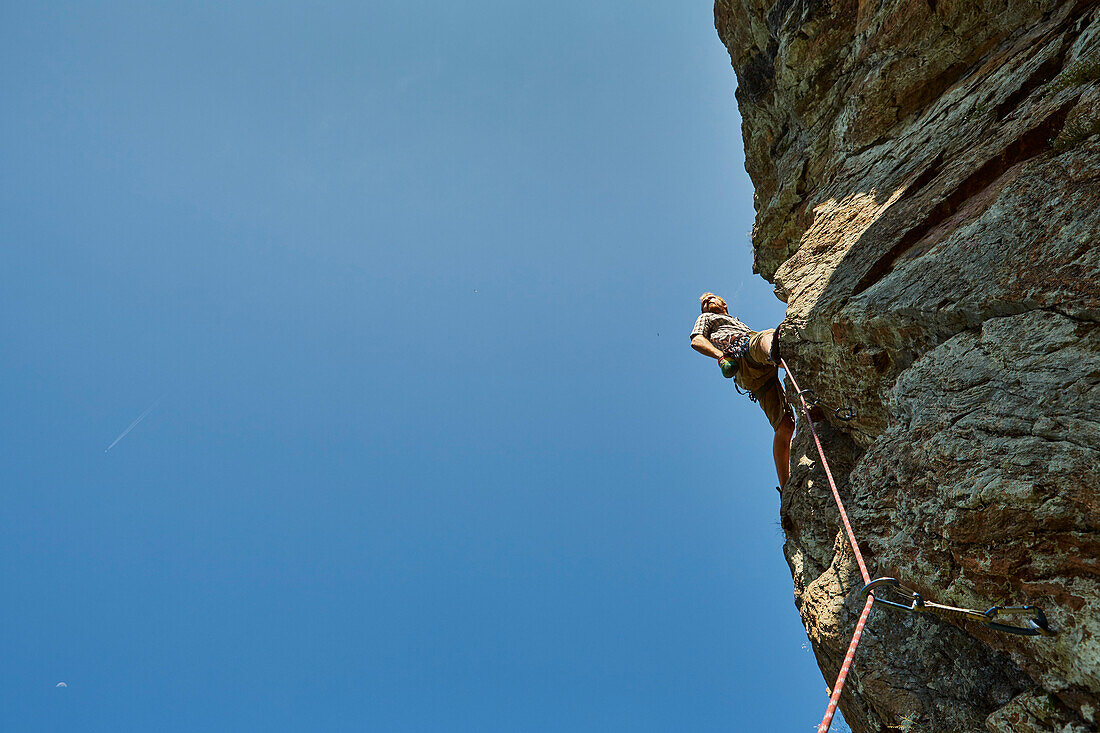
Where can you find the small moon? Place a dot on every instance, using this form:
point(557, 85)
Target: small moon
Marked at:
point(61, 684)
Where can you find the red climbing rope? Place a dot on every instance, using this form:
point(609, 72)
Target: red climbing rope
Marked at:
point(834, 699)
point(843, 675)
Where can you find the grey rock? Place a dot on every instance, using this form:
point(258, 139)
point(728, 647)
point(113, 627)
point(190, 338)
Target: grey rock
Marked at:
point(927, 177)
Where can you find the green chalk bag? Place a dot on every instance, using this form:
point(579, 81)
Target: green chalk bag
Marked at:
point(728, 367)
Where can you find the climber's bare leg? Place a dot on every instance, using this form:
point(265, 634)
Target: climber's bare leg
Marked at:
point(781, 449)
point(766, 343)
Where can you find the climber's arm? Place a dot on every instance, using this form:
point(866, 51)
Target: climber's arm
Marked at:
point(703, 345)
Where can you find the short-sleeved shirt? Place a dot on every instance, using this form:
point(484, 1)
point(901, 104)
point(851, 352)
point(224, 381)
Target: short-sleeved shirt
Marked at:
point(720, 329)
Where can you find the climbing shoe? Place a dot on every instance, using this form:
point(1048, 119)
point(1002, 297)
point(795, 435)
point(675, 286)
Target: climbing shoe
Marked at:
point(728, 367)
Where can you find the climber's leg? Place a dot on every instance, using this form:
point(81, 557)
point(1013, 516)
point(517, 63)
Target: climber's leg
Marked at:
point(765, 347)
point(781, 418)
point(781, 449)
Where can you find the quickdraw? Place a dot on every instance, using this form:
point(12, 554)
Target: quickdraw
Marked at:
point(844, 414)
point(1036, 625)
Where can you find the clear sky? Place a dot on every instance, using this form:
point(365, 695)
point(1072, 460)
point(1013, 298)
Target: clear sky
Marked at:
point(413, 284)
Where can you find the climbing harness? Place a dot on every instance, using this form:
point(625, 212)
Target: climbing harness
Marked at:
point(738, 347)
point(1036, 626)
point(730, 362)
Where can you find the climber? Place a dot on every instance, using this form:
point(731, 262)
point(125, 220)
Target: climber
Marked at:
point(749, 355)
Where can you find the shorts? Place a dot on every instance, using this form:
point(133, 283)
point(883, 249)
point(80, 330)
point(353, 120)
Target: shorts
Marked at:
point(773, 402)
point(760, 377)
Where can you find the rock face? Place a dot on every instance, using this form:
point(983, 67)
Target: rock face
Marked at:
point(927, 179)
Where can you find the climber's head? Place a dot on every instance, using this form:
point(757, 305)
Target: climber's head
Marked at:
point(711, 303)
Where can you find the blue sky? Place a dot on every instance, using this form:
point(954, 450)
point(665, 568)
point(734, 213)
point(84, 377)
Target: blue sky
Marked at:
point(413, 283)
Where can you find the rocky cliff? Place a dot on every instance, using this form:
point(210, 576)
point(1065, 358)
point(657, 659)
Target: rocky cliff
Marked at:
point(927, 178)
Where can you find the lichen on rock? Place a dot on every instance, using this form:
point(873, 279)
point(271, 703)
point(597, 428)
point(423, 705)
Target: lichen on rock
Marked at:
point(927, 177)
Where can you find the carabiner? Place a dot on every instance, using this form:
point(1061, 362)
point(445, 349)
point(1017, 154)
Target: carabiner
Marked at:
point(1036, 625)
point(893, 585)
point(808, 396)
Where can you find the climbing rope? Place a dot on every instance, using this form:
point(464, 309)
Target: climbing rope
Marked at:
point(1035, 626)
point(834, 699)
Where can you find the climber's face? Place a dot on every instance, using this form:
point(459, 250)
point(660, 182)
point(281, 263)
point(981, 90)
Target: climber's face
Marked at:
point(714, 304)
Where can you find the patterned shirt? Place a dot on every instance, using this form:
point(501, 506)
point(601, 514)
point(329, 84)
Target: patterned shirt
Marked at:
point(720, 329)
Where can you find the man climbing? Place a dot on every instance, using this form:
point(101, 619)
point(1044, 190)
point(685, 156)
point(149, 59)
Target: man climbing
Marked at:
point(748, 355)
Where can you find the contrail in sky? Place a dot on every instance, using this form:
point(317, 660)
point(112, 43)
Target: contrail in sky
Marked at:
point(134, 424)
